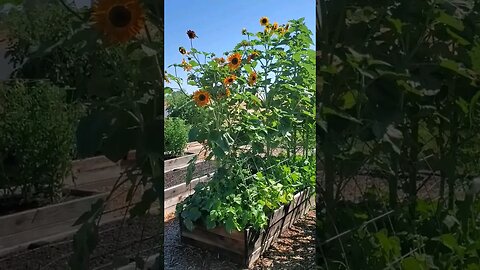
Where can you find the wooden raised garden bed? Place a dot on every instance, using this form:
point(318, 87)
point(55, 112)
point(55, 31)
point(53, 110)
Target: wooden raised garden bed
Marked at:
point(245, 247)
point(94, 171)
point(176, 194)
point(21, 229)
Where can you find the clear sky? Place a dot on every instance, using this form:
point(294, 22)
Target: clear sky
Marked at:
point(218, 23)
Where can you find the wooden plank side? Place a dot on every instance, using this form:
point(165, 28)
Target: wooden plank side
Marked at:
point(93, 163)
point(92, 176)
point(177, 162)
point(28, 220)
point(258, 243)
point(216, 241)
point(234, 257)
point(33, 235)
point(182, 188)
point(298, 199)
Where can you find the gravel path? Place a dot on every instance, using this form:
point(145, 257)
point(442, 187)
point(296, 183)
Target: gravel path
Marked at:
point(115, 242)
point(295, 249)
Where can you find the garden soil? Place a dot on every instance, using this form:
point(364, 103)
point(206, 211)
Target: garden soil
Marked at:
point(177, 177)
point(118, 243)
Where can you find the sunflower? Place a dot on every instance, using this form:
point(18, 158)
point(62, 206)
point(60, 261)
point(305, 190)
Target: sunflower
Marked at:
point(264, 21)
point(245, 43)
point(186, 66)
point(229, 80)
point(166, 77)
point(118, 20)
point(182, 50)
point(220, 60)
point(191, 34)
point(275, 26)
point(252, 78)
point(201, 97)
point(252, 56)
point(234, 61)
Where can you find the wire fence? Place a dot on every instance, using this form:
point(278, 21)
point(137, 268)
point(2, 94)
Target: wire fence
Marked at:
point(382, 217)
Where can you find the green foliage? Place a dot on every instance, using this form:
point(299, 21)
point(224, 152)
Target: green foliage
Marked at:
point(46, 42)
point(275, 112)
point(176, 136)
point(398, 92)
point(236, 200)
point(448, 239)
point(36, 139)
point(182, 106)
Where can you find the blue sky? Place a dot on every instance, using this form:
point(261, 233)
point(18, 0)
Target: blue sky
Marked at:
point(218, 23)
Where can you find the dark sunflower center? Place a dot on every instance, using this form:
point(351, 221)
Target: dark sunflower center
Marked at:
point(234, 61)
point(264, 20)
point(120, 16)
point(230, 80)
point(202, 97)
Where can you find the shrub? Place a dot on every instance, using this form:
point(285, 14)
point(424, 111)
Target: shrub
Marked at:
point(176, 136)
point(181, 106)
point(36, 138)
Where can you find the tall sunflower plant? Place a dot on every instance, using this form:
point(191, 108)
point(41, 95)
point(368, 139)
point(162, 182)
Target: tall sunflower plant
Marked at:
point(130, 119)
point(259, 103)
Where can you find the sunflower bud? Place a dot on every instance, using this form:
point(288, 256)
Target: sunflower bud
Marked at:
point(244, 31)
point(191, 34)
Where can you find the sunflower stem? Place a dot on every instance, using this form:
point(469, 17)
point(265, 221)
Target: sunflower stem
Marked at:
point(69, 9)
point(160, 72)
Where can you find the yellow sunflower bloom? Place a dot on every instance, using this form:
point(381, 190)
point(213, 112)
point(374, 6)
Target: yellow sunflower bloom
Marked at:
point(201, 97)
point(186, 66)
point(227, 92)
point(229, 80)
point(166, 77)
point(275, 26)
point(264, 21)
point(118, 20)
point(252, 78)
point(220, 60)
point(252, 56)
point(234, 61)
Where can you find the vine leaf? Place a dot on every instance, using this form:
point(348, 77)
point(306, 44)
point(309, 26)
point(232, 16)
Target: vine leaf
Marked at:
point(191, 169)
point(84, 241)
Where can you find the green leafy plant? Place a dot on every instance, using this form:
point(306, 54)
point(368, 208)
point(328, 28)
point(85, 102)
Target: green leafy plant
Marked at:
point(182, 106)
point(397, 85)
point(46, 42)
point(176, 136)
point(242, 200)
point(118, 75)
point(36, 139)
point(259, 125)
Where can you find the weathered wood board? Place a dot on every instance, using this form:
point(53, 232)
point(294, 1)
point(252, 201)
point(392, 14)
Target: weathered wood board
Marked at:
point(31, 225)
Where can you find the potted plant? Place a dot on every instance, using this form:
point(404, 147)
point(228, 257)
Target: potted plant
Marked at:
point(259, 128)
